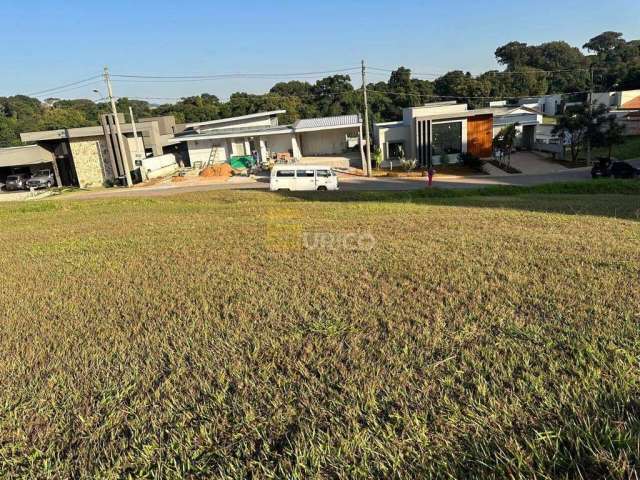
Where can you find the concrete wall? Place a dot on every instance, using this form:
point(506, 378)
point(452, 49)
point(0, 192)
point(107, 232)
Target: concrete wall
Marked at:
point(135, 149)
point(90, 158)
point(278, 143)
point(324, 142)
point(200, 151)
point(394, 133)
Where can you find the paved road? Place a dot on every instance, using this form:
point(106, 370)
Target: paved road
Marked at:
point(350, 183)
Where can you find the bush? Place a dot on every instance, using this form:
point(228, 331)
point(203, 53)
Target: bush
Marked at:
point(471, 161)
point(377, 157)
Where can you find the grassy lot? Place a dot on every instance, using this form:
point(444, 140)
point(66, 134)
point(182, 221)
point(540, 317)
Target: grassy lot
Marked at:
point(627, 151)
point(490, 333)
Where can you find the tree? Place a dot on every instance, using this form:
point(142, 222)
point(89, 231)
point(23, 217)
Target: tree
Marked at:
point(56, 118)
point(504, 141)
point(605, 42)
point(577, 124)
point(610, 133)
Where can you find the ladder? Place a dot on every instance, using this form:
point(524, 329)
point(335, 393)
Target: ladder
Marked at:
point(213, 155)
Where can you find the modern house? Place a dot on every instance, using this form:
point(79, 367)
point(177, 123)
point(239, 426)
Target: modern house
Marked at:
point(89, 156)
point(526, 120)
point(435, 132)
point(93, 156)
point(624, 100)
point(216, 141)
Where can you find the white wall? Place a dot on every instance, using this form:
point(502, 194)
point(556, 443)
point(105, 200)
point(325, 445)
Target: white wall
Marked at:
point(324, 142)
point(278, 143)
point(392, 134)
point(200, 151)
point(259, 122)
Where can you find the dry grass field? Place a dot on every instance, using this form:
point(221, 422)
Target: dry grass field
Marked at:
point(473, 334)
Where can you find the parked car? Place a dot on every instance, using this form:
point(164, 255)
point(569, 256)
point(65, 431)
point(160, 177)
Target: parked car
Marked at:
point(624, 170)
point(17, 181)
point(41, 179)
point(303, 177)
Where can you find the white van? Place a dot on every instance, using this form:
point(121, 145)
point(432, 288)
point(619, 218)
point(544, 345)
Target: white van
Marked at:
point(303, 177)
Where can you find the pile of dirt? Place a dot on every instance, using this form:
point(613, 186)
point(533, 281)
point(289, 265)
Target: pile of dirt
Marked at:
point(177, 178)
point(221, 170)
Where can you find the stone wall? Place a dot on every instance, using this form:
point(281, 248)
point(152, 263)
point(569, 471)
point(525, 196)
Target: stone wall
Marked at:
point(91, 160)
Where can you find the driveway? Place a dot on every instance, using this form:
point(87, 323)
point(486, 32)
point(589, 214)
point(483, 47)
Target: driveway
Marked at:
point(534, 163)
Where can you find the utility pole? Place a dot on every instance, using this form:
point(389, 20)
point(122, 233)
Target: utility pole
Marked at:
point(116, 120)
point(590, 113)
point(366, 120)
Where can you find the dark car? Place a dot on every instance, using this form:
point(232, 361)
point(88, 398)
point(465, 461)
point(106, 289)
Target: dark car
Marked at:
point(41, 179)
point(624, 170)
point(17, 181)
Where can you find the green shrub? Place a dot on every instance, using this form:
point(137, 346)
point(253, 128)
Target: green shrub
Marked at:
point(471, 161)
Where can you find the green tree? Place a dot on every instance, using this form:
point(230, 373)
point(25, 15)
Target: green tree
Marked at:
point(56, 118)
point(610, 133)
point(577, 124)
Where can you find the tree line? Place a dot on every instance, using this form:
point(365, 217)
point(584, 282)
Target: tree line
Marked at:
point(553, 67)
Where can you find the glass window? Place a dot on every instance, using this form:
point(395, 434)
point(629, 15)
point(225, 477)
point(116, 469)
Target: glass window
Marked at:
point(323, 173)
point(306, 173)
point(286, 173)
point(396, 149)
point(447, 138)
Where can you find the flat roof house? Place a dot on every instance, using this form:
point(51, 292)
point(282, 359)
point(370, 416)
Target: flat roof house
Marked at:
point(430, 132)
point(216, 141)
point(89, 156)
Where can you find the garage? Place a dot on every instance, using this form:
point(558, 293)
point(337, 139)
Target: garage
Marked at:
point(27, 160)
point(328, 135)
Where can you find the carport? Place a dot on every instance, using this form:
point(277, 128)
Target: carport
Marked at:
point(26, 159)
point(328, 135)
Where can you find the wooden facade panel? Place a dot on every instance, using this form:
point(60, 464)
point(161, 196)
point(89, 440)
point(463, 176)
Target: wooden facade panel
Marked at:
point(480, 135)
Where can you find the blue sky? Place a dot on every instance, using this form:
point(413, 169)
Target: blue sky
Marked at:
point(51, 43)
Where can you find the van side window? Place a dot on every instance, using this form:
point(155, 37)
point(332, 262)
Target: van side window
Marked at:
point(323, 173)
point(285, 173)
point(305, 173)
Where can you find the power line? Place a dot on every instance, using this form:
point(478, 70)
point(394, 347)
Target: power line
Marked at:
point(90, 84)
point(490, 72)
point(235, 75)
point(47, 90)
point(453, 97)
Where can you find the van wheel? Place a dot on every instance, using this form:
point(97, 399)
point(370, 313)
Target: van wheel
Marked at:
point(322, 189)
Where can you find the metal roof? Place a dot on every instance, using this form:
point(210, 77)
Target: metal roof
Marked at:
point(327, 122)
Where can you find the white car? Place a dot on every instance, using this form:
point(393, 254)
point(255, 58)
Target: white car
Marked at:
point(303, 178)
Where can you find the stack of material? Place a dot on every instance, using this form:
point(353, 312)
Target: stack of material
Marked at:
point(219, 170)
point(241, 162)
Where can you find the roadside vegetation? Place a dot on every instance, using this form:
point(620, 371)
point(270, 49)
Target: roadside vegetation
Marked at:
point(491, 333)
point(629, 149)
